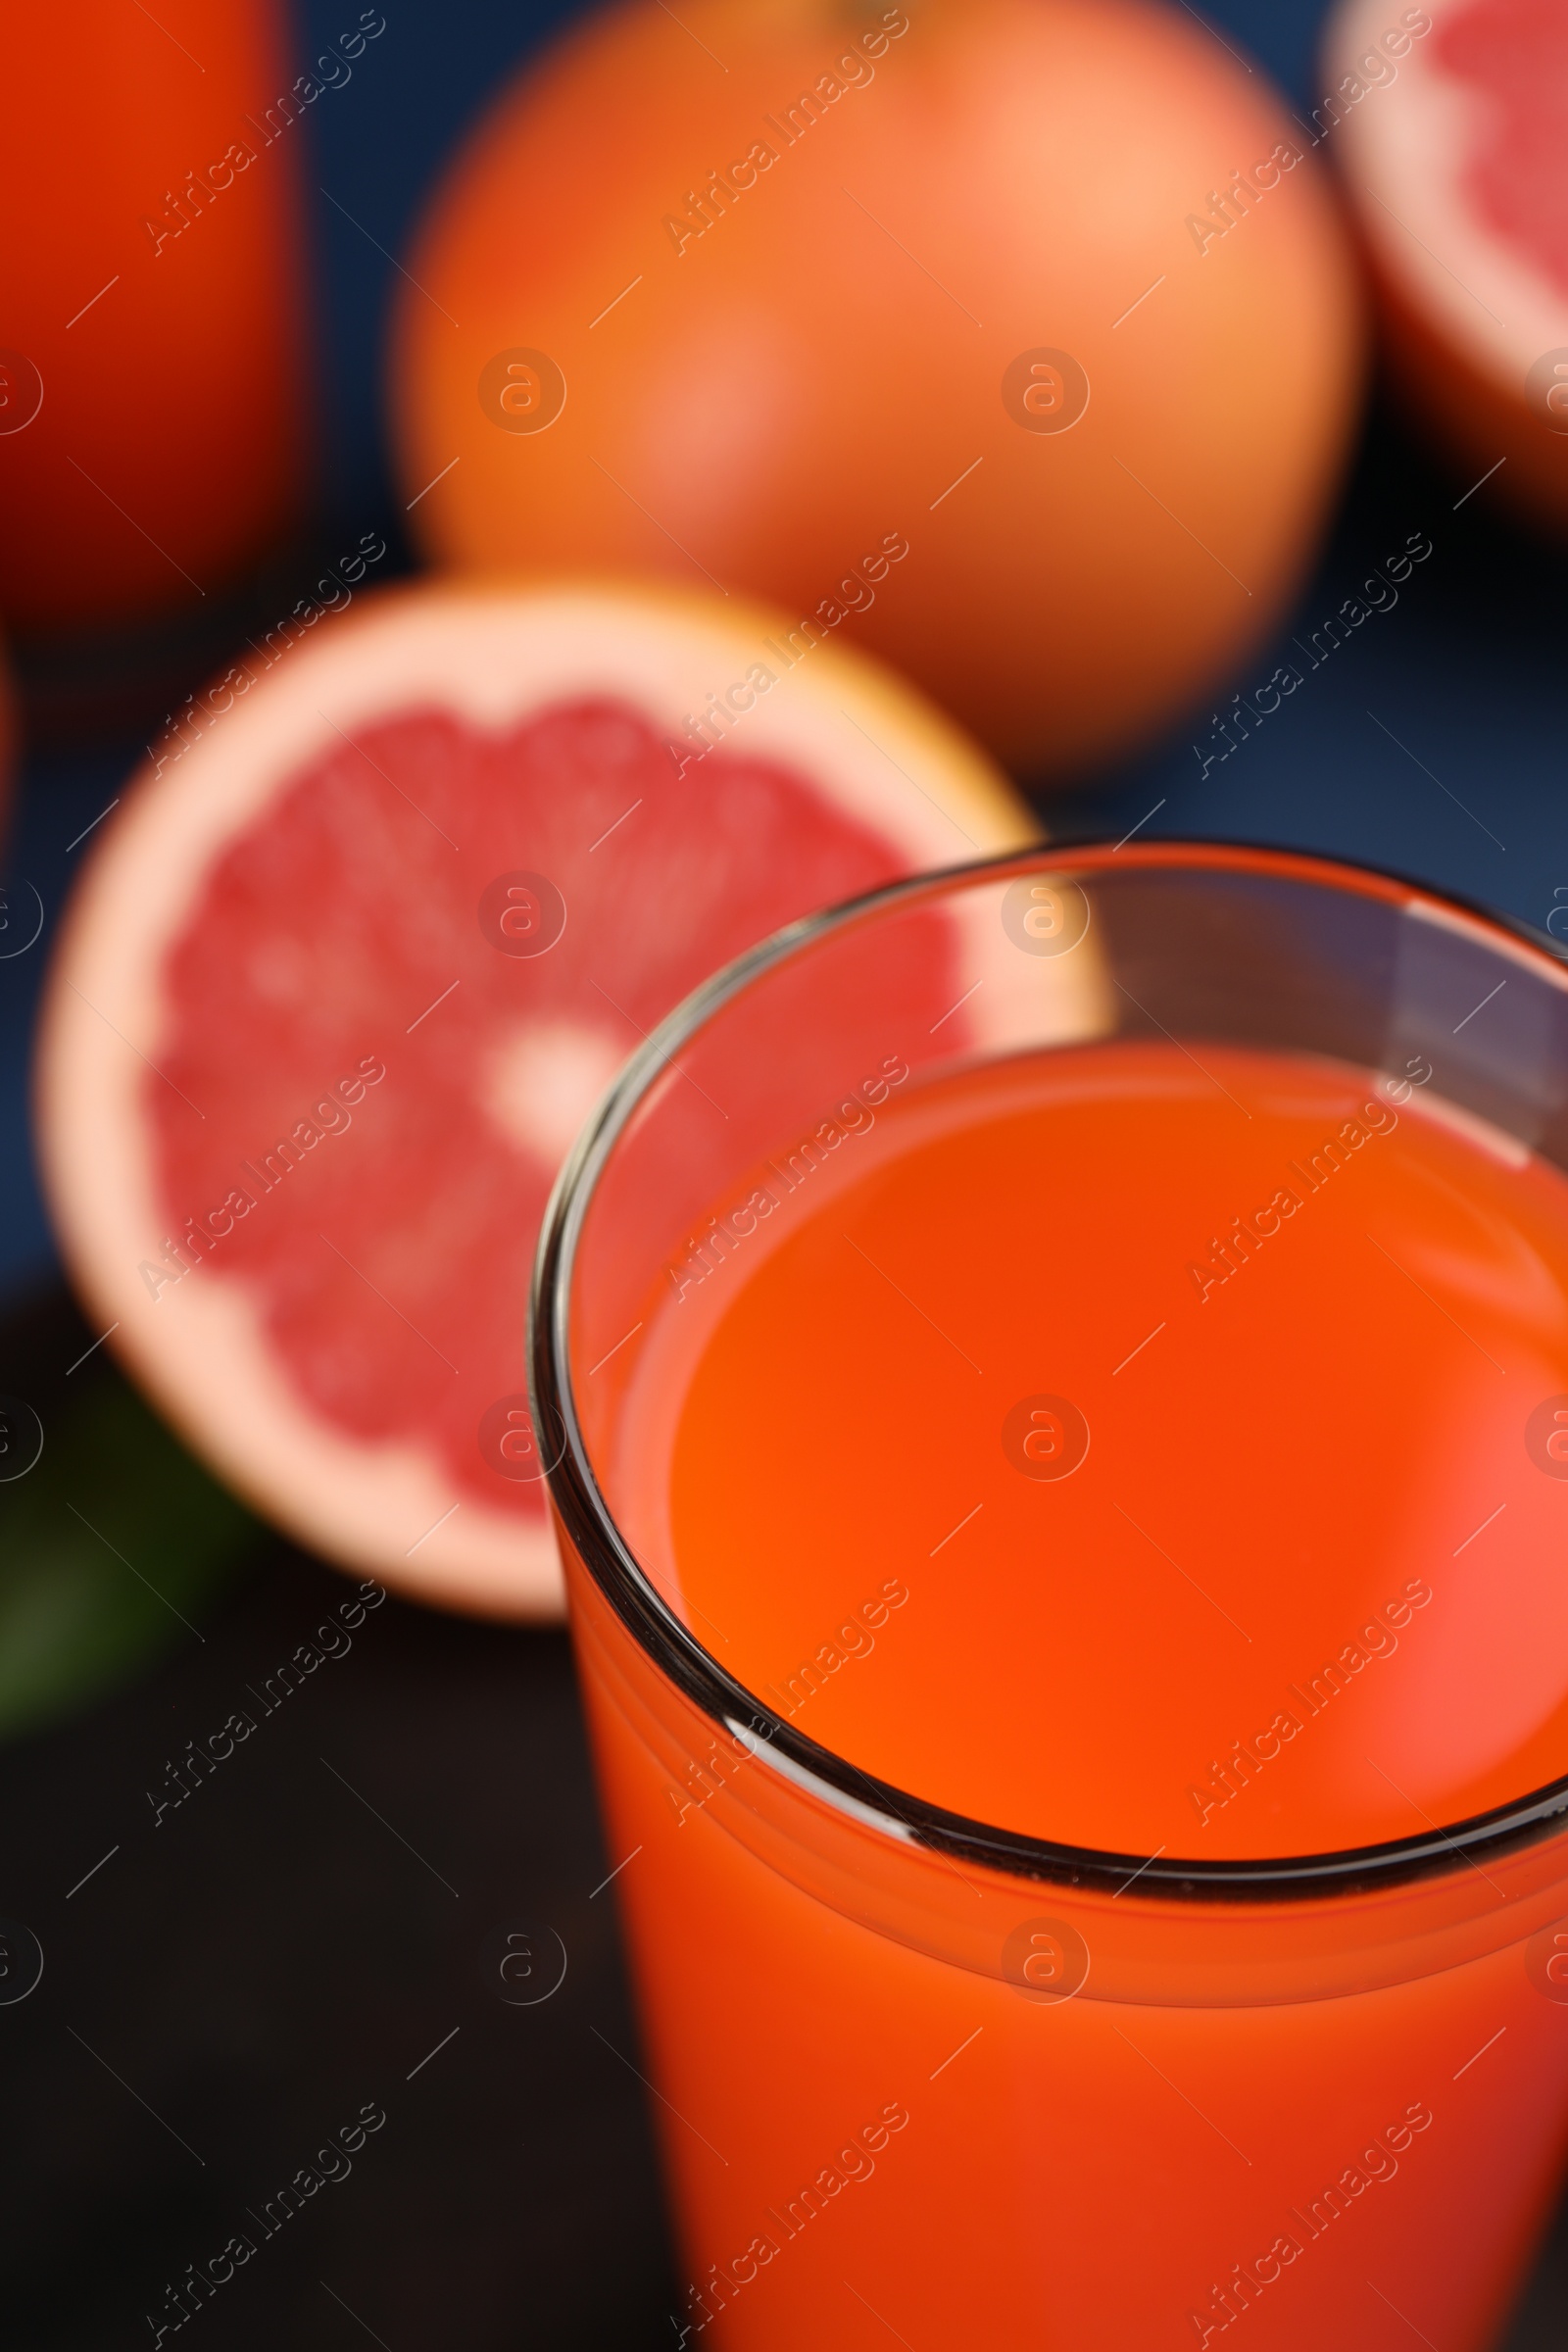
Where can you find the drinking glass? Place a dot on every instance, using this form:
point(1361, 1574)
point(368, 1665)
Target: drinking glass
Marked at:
point(919, 2078)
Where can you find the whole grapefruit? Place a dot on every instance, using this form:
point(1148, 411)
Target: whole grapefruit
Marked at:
point(1051, 291)
point(351, 964)
point(1450, 122)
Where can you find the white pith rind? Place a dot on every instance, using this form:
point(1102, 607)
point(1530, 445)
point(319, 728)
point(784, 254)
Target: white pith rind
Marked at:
point(489, 654)
point(1403, 150)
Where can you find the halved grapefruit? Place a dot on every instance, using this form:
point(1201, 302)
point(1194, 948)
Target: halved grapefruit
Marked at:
point(346, 975)
point(1451, 125)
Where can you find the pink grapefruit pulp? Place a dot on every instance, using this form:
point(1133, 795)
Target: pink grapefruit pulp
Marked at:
point(1449, 122)
point(344, 979)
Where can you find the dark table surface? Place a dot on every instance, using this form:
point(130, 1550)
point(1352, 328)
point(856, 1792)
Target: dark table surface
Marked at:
point(229, 1983)
point(226, 1984)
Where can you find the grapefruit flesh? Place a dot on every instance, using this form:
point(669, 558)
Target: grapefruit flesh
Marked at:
point(1455, 154)
point(1515, 54)
point(951, 290)
point(342, 983)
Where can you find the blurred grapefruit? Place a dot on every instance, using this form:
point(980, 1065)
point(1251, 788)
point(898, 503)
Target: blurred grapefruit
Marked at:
point(1049, 288)
point(1450, 123)
point(343, 980)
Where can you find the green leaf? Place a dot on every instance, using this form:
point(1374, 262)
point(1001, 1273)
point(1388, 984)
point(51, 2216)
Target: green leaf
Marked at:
point(112, 1547)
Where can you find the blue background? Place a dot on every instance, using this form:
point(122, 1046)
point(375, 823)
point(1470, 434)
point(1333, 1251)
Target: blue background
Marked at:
point(1460, 674)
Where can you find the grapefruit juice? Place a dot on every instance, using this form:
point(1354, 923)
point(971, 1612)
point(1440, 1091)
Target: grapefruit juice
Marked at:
point(1099, 1477)
point(1170, 1414)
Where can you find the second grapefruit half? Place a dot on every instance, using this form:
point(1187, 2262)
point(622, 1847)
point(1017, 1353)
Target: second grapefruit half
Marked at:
point(1450, 122)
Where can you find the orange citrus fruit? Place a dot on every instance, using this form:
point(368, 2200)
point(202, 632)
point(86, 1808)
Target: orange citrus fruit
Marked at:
point(1048, 291)
point(1450, 122)
point(345, 977)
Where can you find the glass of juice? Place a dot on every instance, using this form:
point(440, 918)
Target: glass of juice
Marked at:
point(1054, 1379)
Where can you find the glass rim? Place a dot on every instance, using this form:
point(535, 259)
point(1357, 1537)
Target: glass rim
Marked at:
point(671, 1647)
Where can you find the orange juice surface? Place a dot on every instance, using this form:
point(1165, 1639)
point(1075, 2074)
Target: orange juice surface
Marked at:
point(1136, 1450)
